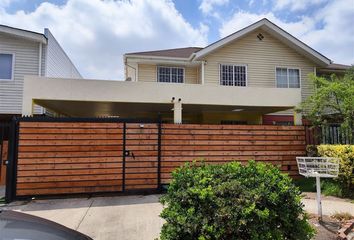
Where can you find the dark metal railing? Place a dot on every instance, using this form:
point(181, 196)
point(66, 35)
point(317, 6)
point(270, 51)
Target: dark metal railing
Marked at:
point(329, 134)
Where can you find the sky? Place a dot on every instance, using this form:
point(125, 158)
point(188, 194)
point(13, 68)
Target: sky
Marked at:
point(96, 33)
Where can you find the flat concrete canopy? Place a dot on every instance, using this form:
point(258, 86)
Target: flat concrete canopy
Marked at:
point(126, 109)
point(101, 98)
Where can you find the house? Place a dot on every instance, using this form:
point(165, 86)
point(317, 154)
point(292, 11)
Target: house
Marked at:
point(24, 52)
point(257, 75)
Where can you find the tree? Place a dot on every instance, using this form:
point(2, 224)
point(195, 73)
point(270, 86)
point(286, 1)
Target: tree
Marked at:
point(332, 101)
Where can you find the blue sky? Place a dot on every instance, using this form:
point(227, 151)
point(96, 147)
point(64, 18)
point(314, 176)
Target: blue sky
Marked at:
point(96, 33)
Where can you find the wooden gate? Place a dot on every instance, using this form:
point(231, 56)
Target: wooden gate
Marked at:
point(67, 155)
point(141, 156)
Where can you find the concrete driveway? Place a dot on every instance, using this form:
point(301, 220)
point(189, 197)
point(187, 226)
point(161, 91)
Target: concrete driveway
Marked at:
point(102, 218)
point(130, 217)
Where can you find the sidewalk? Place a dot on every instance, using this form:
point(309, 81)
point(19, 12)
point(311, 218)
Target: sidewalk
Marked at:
point(330, 205)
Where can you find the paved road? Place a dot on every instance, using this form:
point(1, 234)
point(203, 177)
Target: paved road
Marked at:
point(126, 217)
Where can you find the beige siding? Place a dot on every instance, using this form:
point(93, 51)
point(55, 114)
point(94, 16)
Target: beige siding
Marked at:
point(26, 63)
point(191, 75)
point(58, 64)
point(147, 73)
point(261, 58)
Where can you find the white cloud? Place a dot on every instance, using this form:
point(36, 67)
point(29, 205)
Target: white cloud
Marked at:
point(329, 31)
point(207, 6)
point(295, 5)
point(96, 33)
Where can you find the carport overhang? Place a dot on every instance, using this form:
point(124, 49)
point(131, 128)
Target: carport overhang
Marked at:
point(93, 98)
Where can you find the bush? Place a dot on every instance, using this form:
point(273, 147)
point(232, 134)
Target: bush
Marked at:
point(345, 153)
point(233, 201)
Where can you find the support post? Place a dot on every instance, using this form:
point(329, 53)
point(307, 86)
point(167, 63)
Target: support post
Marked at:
point(177, 112)
point(297, 119)
point(318, 198)
point(11, 168)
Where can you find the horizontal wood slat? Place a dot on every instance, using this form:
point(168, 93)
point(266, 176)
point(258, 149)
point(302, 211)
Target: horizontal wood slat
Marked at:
point(217, 144)
point(69, 157)
point(87, 157)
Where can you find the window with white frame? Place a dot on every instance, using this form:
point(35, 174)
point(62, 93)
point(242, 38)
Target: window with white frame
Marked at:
point(287, 77)
point(233, 75)
point(6, 66)
point(170, 74)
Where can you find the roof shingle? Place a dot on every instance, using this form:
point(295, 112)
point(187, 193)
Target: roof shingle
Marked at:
point(175, 52)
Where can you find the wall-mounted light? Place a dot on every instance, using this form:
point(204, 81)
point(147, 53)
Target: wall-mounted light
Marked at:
point(179, 99)
point(237, 110)
point(173, 98)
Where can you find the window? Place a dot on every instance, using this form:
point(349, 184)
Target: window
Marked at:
point(233, 75)
point(6, 66)
point(288, 77)
point(170, 74)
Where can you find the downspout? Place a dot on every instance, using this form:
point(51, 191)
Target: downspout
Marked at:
point(203, 75)
point(126, 71)
point(40, 60)
point(40, 68)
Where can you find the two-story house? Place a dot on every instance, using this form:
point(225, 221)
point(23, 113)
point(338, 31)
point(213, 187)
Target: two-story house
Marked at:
point(256, 75)
point(23, 53)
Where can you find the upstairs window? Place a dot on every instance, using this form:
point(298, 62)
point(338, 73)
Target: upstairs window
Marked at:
point(288, 77)
point(233, 75)
point(170, 74)
point(6, 66)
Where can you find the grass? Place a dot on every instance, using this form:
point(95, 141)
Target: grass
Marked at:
point(328, 187)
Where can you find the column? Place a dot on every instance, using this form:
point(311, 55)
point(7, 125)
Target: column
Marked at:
point(177, 112)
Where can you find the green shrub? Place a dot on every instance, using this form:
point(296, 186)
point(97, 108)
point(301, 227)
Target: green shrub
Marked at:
point(331, 188)
point(233, 201)
point(345, 153)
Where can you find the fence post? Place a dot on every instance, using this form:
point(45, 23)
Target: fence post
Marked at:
point(159, 186)
point(124, 154)
point(11, 169)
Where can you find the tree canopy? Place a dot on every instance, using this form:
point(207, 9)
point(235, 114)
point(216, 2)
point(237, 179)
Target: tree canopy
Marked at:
point(332, 101)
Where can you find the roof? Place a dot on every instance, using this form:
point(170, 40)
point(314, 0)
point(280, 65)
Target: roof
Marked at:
point(197, 53)
point(276, 31)
point(336, 66)
point(22, 33)
point(173, 53)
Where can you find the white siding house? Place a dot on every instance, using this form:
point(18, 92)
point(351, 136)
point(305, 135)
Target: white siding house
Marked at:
point(24, 53)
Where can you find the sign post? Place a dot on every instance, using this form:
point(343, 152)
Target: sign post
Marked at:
point(318, 167)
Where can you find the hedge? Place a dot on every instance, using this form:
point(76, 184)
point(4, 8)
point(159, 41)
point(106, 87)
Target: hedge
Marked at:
point(233, 201)
point(345, 153)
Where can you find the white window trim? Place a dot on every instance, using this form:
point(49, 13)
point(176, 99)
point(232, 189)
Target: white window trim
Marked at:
point(164, 66)
point(237, 65)
point(13, 66)
point(287, 74)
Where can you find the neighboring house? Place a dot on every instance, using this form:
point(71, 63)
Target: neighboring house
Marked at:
point(23, 53)
point(257, 75)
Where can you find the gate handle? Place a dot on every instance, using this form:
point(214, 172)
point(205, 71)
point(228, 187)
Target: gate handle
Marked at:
point(127, 153)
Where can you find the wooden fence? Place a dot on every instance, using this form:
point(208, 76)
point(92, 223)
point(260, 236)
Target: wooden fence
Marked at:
point(224, 143)
point(56, 157)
